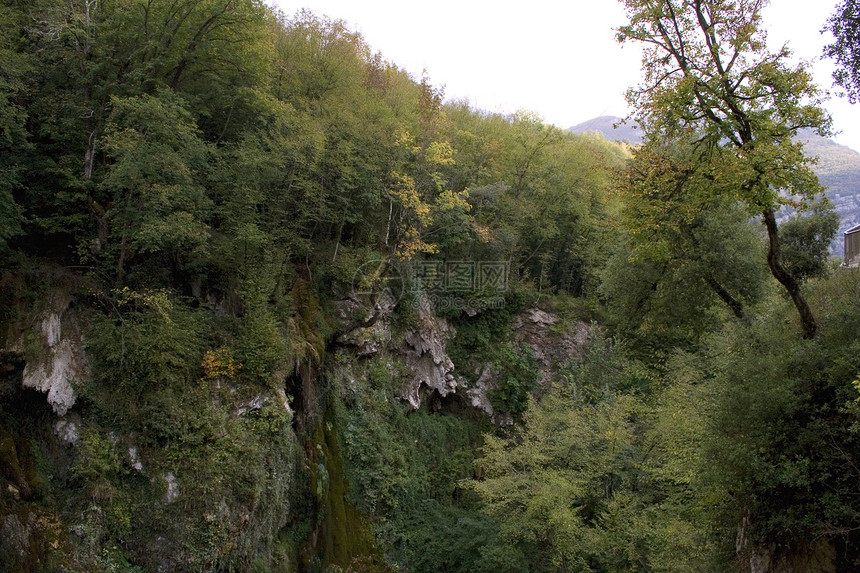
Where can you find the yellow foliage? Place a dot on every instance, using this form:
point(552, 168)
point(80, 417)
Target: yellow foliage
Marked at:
point(406, 141)
point(219, 363)
point(156, 300)
point(418, 212)
point(406, 194)
point(484, 233)
point(440, 153)
point(411, 244)
point(448, 200)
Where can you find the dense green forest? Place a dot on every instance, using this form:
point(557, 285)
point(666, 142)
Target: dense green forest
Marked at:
point(269, 303)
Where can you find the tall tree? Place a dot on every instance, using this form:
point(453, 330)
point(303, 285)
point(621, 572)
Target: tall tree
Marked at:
point(157, 204)
point(806, 239)
point(845, 26)
point(709, 77)
point(691, 250)
point(14, 68)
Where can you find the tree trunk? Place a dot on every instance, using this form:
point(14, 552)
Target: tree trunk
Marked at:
point(726, 297)
point(785, 278)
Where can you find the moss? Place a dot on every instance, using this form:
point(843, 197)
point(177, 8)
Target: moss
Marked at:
point(307, 324)
point(233, 492)
point(32, 533)
point(345, 535)
point(11, 466)
point(397, 461)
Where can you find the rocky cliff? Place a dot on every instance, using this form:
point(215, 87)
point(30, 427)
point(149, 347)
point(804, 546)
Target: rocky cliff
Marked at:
point(209, 472)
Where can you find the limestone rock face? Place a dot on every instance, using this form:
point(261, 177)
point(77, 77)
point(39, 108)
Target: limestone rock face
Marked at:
point(478, 392)
point(366, 323)
point(61, 361)
point(429, 367)
point(222, 492)
point(368, 340)
point(66, 429)
point(552, 347)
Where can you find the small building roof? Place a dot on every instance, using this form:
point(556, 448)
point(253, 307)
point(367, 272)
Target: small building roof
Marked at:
point(853, 229)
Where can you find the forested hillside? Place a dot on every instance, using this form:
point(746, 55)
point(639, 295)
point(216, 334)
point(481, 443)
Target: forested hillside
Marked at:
point(838, 167)
point(269, 303)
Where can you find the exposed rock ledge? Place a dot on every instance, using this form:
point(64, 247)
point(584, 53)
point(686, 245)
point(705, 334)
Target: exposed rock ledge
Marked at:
point(430, 369)
point(422, 348)
point(552, 348)
point(60, 362)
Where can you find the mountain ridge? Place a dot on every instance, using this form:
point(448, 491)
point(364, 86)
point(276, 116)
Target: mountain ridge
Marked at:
point(838, 166)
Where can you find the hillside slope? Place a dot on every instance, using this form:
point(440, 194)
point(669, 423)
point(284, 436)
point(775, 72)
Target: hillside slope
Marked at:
point(611, 128)
point(838, 167)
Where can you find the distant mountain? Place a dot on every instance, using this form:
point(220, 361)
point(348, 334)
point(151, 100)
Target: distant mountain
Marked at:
point(606, 124)
point(838, 167)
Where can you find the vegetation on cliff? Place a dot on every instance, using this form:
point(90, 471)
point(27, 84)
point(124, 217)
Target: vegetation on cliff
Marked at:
point(294, 312)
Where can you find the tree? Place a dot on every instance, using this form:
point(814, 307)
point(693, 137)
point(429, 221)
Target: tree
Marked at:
point(558, 480)
point(673, 219)
point(14, 67)
point(571, 488)
point(678, 264)
point(845, 26)
point(710, 78)
point(806, 240)
point(157, 204)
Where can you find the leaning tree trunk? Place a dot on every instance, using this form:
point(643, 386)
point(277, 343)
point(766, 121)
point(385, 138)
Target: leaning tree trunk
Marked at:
point(733, 303)
point(785, 278)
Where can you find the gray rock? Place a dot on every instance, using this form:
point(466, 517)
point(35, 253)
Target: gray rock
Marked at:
point(172, 488)
point(430, 369)
point(14, 537)
point(61, 361)
point(67, 431)
point(478, 393)
point(368, 340)
point(134, 459)
point(552, 349)
point(254, 403)
point(367, 325)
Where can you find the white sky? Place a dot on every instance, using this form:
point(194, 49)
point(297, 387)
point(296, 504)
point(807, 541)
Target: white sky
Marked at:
point(558, 59)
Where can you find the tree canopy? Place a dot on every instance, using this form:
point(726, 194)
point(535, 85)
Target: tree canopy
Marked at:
point(205, 186)
point(845, 26)
point(710, 79)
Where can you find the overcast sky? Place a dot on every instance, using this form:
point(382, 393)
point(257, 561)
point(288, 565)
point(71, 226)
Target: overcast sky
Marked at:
point(558, 59)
